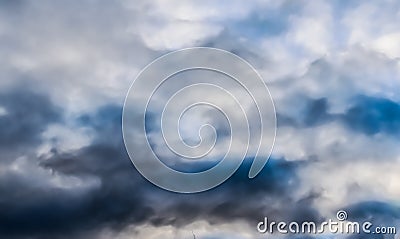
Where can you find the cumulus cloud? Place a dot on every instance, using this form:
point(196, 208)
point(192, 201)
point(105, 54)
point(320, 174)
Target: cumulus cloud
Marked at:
point(333, 70)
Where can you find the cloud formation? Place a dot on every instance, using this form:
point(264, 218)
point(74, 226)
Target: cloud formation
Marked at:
point(333, 70)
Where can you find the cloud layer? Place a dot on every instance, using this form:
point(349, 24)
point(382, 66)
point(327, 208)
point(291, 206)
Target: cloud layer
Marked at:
point(333, 71)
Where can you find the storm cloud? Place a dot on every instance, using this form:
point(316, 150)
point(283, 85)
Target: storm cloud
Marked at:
point(333, 71)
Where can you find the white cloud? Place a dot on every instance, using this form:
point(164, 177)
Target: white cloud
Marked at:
point(65, 138)
point(335, 52)
point(374, 26)
point(3, 111)
point(177, 34)
point(350, 167)
point(388, 44)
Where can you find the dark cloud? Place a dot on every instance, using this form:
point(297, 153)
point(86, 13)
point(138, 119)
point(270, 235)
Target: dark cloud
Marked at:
point(42, 212)
point(241, 198)
point(367, 115)
point(82, 55)
point(126, 198)
point(27, 115)
point(313, 113)
point(372, 115)
point(373, 210)
point(379, 213)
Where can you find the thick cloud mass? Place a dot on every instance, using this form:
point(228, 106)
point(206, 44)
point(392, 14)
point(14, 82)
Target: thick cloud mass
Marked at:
point(333, 71)
point(25, 116)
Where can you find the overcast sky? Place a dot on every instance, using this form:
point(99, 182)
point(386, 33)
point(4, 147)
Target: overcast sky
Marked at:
point(333, 70)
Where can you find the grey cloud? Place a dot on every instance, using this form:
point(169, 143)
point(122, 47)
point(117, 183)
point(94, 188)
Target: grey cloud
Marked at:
point(27, 114)
point(84, 57)
point(365, 114)
point(380, 214)
point(125, 198)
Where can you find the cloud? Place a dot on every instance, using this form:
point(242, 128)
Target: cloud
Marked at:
point(97, 185)
point(333, 72)
point(30, 191)
point(25, 116)
point(368, 115)
point(380, 214)
point(374, 115)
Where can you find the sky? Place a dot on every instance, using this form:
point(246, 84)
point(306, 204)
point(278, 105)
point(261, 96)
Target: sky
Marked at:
point(333, 71)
